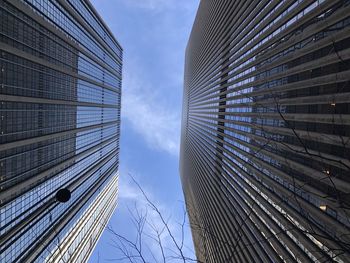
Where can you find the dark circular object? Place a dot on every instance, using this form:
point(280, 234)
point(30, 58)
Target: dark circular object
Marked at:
point(63, 195)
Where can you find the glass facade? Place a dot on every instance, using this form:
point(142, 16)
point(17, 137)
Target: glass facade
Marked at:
point(265, 140)
point(60, 124)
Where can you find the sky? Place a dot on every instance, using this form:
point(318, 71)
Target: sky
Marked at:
point(153, 34)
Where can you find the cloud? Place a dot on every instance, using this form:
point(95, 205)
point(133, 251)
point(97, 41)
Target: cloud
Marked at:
point(150, 116)
point(154, 46)
point(159, 5)
point(149, 4)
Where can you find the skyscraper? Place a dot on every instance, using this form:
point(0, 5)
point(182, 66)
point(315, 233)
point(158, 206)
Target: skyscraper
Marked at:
point(60, 123)
point(265, 140)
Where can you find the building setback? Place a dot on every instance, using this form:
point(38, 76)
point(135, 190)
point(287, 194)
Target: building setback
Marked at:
point(60, 123)
point(265, 143)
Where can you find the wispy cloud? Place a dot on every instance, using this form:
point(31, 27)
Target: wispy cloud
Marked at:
point(158, 5)
point(149, 4)
point(154, 36)
point(150, 116)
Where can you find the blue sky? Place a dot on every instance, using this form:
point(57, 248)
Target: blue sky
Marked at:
point(154, 35)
